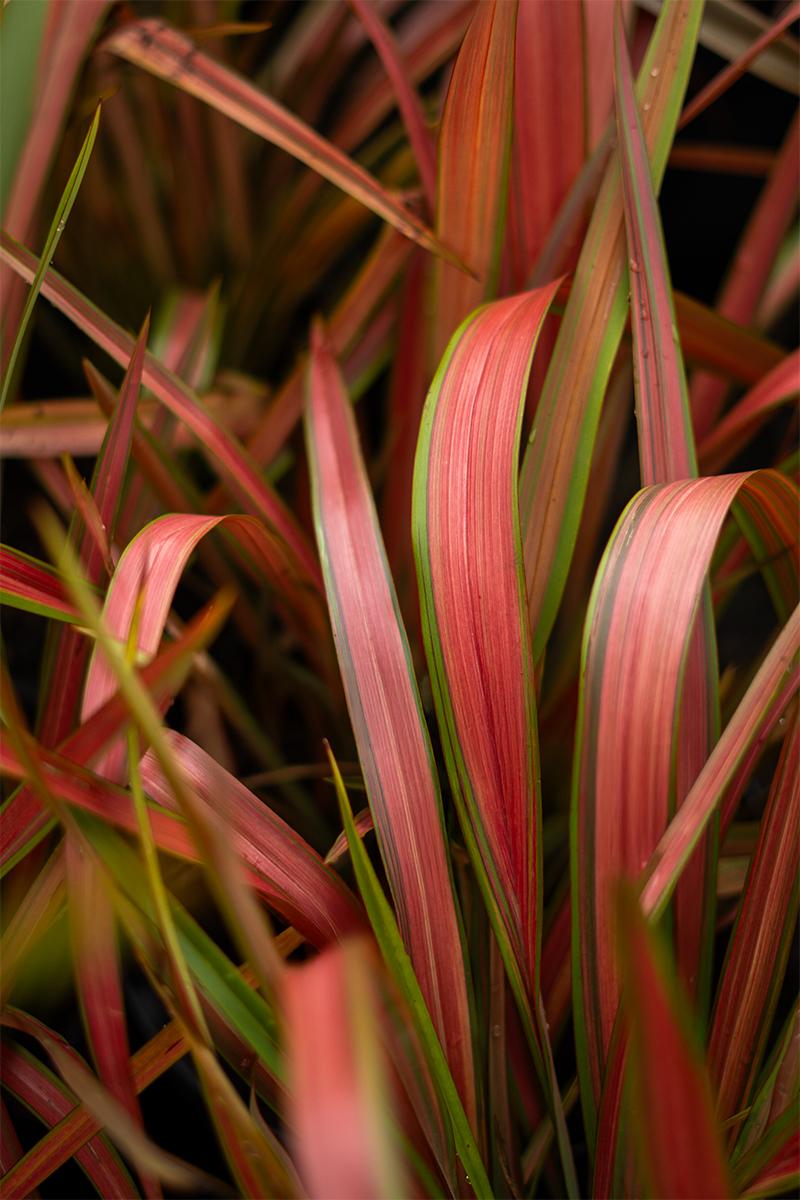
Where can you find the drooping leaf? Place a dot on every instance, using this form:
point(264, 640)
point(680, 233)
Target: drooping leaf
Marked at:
point(34, 586)
point(169, 54)
point(739, 425)
point(241, 474)
point(386, 713)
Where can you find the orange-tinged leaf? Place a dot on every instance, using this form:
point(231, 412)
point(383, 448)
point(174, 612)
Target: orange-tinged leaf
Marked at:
point(548, 141)
point(408, 100)
point(557, 461)
point(760, 942)
point(671, 1100)
point(340, 1107)
point(474, 152)
point(169, 54)
point(709, 338)
point(386, 713)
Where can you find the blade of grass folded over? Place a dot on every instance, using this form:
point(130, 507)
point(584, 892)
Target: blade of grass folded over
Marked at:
point(556, 465)
point(737, 427)
point(671, 1097)
point(760, 943)
point(167, 53)
point(51, 242)
point(242, 475)
point(667, 453)
point(637, 633)
point(339, 1100)
point(394, 954)
point(386, 713)
point(472, 597)
point(44, 1093)
point(153, 564)
point(474, 155)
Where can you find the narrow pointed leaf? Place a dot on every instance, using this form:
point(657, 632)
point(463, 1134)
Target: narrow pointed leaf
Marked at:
point(739, 425)
point(472, 596)
point(386, 712)
point(760, 942)
point(241, 473)
point(474, 152)
point(34, 586)
point(728, 76)
point(167, 53)
point(728, 766)
point(44, 1093)
point(53, 238)
point(408, 100)
point(556, 465)
point(387, 933)
point(751, 266)
point(671, 1100)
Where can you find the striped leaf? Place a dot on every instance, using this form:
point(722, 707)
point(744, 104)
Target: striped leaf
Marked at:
point(474, 153)
point(556, 465)
point(472, 596)
point(386, 712)
point(638, 628)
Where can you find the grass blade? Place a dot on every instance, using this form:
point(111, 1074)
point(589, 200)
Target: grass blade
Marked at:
point(556, 465)
point(760, 943)
point(671, 1099)
point(386, 713)
point(743, 421)
point(51, 242)
point(34, 587)
point(474, 154)
point(167, 53)
point(388, 935)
